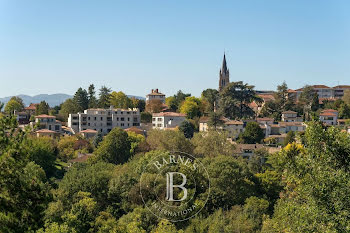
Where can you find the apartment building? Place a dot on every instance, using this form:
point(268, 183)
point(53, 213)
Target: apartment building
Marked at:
point(104, 120)
point(291, 116)
point(166, 120)
point(323, 91)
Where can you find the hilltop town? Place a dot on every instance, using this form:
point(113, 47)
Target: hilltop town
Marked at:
point(250, 119)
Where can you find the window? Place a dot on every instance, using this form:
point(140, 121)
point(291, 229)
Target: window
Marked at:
point(88, 118)
point(101, 118)
point(57, 127)
point(95, 118)
point(101, 130)
point(121, 112)
point(122, 124)
point(159, 119)
point(159, 125)
point(153, 119)
point(88, 124)
point(122, 118)
point(127, 112)
point(75, 118)
point(137, 124)
point(117, 118)
point(135, 118)
point(49, 127)
point(75, 123)
point(128, 118)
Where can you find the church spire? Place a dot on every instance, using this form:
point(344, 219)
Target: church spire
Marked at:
point(224, 65)
point(224, 75)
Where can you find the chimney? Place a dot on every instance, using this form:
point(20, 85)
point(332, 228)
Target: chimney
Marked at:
point(152, 90)
point(157, 90)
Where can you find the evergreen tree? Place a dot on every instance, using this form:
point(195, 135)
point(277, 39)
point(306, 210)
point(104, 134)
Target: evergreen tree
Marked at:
point(42, 108)
point(92, 97)
point(81, 99)
point(104, 97)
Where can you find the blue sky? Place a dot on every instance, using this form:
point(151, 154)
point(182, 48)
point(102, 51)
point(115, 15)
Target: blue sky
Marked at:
point(134, 46)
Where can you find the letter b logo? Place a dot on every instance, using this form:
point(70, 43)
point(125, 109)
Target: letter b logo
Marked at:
point(170, 186)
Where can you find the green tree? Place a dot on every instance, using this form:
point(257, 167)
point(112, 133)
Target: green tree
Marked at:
point(154, 106)
point(191, 107)
point(1, 106)
point(172, 104)
point(146, 117)
point(115, 147)
point(42, 108)
point(104, 96)
point(135, 140)
point(68, 107)
point(344, 111)
point(97, 139)
point(81, 99)
point(346, 97)
point(212, 144)
point(24, 191)
point(211, 96)
point(170, 140)
point(14, 104)
point(187, 128)
point(92, 96)
point(120, 100)
point(252, 133)
point(235, 99)
point(289, 138)
point(215, 120)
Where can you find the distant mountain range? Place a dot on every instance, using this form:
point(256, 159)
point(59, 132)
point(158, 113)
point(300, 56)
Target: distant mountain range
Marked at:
point(53, 99)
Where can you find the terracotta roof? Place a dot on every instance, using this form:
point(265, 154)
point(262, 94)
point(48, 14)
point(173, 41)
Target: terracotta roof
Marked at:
point(291, 123)
point(45, 116)
point(327, 114)
point(173, 114)
point(342, 86)
point(289, 112)
point(135, 130)
point(266, 97)
point(45, 131)
point(320, 86)
point(291, 91)
point(88, 131)
point(155, 93)
point(31, 107)
point(264, 119)
point(203, 119)
point(234, 122)
point(330, 110)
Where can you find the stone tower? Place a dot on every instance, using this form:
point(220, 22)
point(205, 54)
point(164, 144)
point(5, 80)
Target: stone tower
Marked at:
point(224, 75)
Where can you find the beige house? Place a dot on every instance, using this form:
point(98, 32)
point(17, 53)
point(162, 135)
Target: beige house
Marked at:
point(291, 116)
point(88, 133)
point(46, 133)
point(48, 122)
point(166, 120)
point(233, 127)
point(155, 95)
point(285, 127)
point(329, 116)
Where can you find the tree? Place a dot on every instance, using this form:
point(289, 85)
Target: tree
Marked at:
point(135, 140)
point(290, 138)
point(315, 176)
point(91, 96)
point(344, 111)
point(119, 100)
point(187, 128)
point(215, 120)
point(81, 99)
point(68, 107)
point(171, 102)
point(191, 107)
point(42, 108)
point(154, 106)
point(146, 117)
point(252, 133)
point(24, 191)
point(309, 98)
point(97, 139)
point(1, 106)
point(14, 104)
point(235, 99)
point(212, 144)
point(115, 147)
point(346, 97)
point(170, 140)
point(104, 96)
point(211, 96)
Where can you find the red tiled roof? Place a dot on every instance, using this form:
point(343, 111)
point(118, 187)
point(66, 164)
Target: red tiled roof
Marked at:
point(342, 86)
point(45, 116)
point(264, 119)
point(45, 131)
point(327, 114)
point(88, 131)
point(31, 107)
point(329, 110)
point(173, 114)
point(234, 122)
point(320, 86)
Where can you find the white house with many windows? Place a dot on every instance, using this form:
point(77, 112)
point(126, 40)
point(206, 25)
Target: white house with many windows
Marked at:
point(166, 120)
point(48, 122)
point(104, 120)
point(155, 95)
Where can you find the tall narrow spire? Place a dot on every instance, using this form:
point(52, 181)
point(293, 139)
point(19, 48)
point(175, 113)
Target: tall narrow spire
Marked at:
point(224, 75)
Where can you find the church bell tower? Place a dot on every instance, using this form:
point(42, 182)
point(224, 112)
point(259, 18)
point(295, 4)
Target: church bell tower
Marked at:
point(224, 75)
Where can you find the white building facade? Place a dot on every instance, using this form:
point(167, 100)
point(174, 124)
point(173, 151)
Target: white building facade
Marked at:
point(104, 120)
point(166, 120)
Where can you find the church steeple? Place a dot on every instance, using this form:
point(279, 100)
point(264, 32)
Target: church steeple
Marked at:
point(224, 74)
